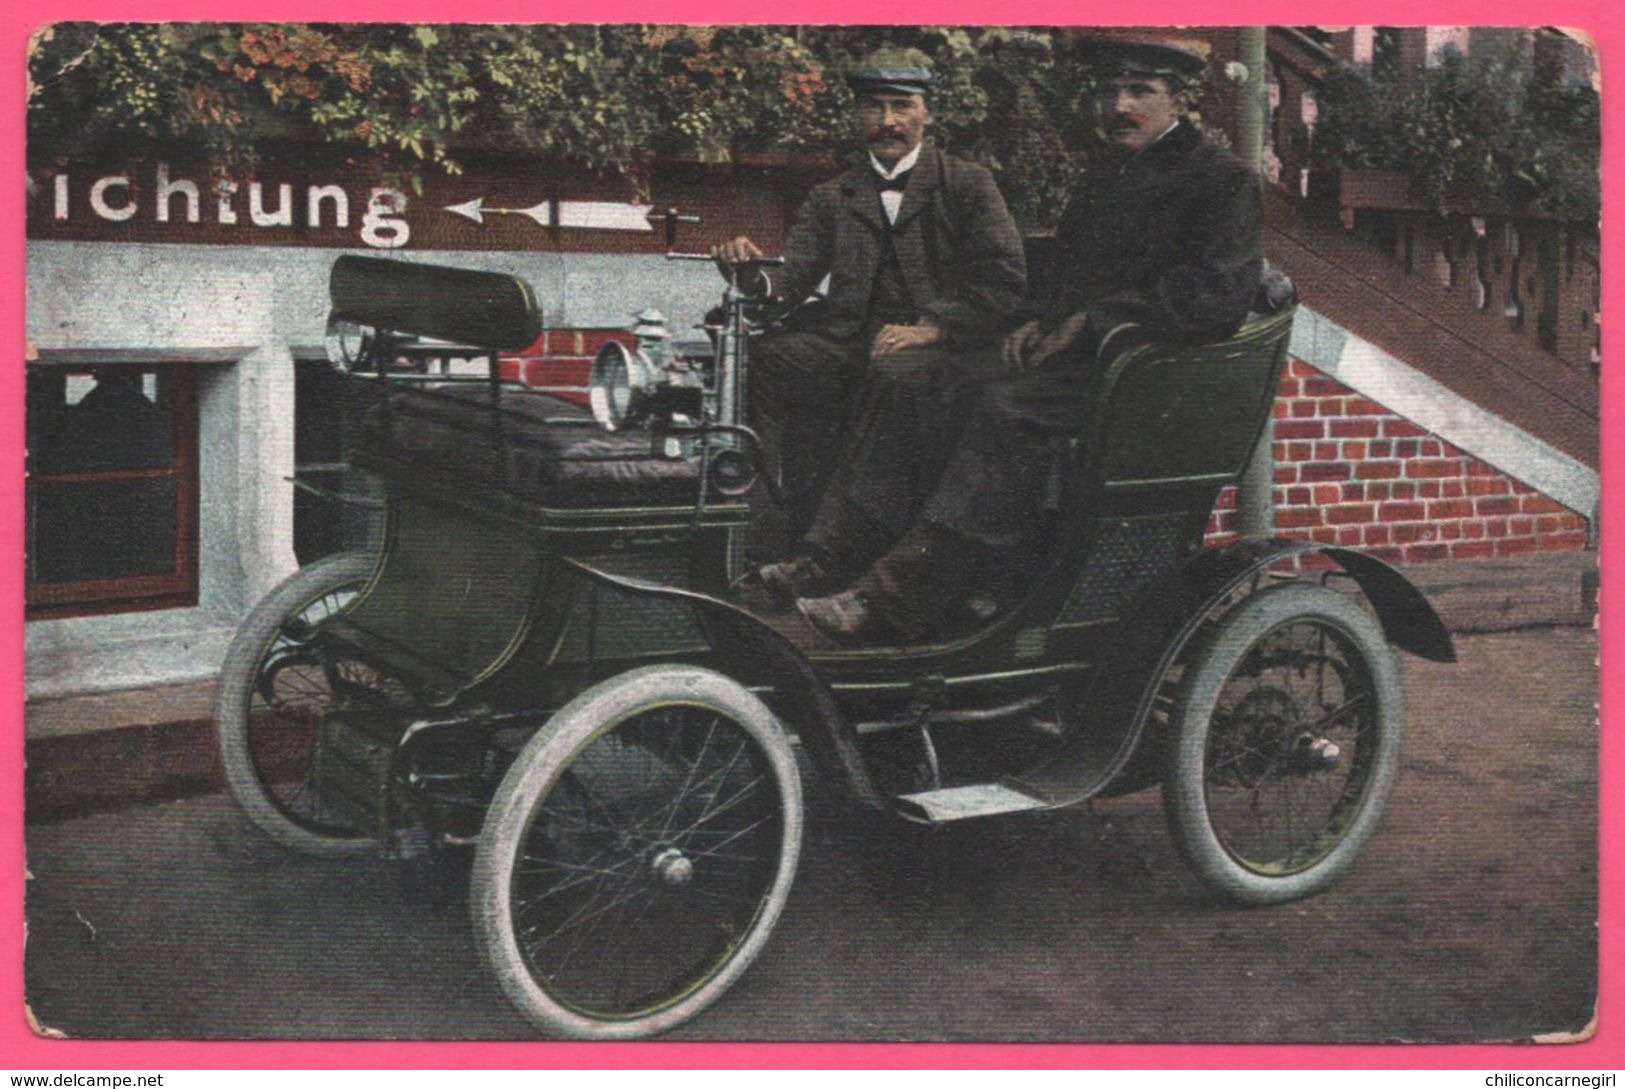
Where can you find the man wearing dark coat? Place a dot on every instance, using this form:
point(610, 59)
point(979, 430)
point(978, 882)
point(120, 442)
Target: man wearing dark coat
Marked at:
point(1163, 235)
point(921, 254)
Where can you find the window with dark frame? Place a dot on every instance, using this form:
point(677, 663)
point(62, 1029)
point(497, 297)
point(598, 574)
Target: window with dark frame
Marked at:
point(112, 488)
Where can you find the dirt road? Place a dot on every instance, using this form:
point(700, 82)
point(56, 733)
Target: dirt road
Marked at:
point(1471, 916)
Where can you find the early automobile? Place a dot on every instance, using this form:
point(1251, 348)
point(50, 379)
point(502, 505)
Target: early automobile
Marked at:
point(545, 662)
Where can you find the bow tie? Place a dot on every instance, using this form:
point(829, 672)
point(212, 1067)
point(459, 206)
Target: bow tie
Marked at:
point(893, 185)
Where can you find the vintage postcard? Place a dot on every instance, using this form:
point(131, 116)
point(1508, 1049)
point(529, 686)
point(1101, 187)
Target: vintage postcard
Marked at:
point(812, 533)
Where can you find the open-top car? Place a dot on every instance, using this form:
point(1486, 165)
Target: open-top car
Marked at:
point(545, 660)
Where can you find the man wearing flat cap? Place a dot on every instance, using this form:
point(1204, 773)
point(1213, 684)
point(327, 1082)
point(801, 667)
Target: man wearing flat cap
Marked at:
point(922, 257)
point(1160, 240)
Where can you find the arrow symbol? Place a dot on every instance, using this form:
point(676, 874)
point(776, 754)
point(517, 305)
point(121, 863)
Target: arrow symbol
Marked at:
point(601, 215)
point(475, 209)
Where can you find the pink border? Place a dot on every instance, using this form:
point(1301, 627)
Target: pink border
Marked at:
point(22, 1050)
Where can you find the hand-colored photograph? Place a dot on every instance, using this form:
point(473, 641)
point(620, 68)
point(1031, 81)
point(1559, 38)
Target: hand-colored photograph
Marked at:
point(812, 533)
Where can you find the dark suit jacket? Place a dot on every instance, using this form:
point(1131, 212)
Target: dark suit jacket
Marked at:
point(1171, 241)
point(958, 247)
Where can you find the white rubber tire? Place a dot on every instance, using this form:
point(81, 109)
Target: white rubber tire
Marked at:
point(528, 783)
point(1184, 789)
point(235, 689)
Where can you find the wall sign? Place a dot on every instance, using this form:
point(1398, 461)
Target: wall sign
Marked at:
point(506, 205)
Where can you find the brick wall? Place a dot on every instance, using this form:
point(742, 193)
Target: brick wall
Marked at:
point(1350, 472)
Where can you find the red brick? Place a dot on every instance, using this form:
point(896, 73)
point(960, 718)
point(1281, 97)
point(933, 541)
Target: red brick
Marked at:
point(1376, 535)
point(1520, 527)
point(1327, 451)
point(1278, 452)
point(1376, 470)
point(1327, 494)
point(1300, 429)
point(1354, 429)
point(1520, 488)
point(1288, 389)
point(1449, 531)
point(1345, 515)
point(1501, 505)
point(1226, 499)
point(1360, 406)
point(1406, 448)
point(1299, 369)
point(1421, 553)
point(1219, 540)
point(1286, 474)
point(1430, 448)
point(1401, 512)
point(1511, 545)
point(1562, 540)
point(1450, 508)
point(1299, 497)
point(1297, 517)
point(1411, 532)
point(1314, 561)
point(1450, 451)
point(1573, 521)
point(1212, 525)
point(1437, 468)
point(1324, 387)
point(1354, 450)
point(1428, 489)
point(1229, 520)
point(1403, 489)
point(1547, 523)
point(1326, 535)
point(1539, 504)
point(1377, 491)
point(1379, 449)
point(1299, 451)
point(1478, 468)
point(1472, 529)
point(1348, 535)
point(1282, 409)
point(1464, 550)
point(1331, 406)
point(1303, 408)
point(1325, 470)
point(1487, 485)
point(1401, 429)
point(1453, 489)
point(1496, 527)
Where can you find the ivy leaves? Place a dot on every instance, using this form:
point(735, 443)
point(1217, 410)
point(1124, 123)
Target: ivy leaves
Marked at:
point(609, 96)
point(1470, 127)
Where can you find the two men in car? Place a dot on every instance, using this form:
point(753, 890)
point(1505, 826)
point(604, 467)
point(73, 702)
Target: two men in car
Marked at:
point(1160, 239)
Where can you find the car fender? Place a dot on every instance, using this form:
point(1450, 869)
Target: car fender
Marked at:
point(752, 652)
point(1108, 751)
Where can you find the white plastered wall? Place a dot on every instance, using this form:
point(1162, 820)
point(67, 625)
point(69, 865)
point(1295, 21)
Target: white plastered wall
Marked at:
point(247, 309)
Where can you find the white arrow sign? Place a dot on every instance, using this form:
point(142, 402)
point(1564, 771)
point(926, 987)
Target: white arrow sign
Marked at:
point(598, 215)
point(475, 210)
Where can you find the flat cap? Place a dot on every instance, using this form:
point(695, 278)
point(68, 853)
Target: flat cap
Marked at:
point(1144, 55)
point(899, 71)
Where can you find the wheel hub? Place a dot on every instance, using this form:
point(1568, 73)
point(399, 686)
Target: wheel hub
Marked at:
point(673, 867)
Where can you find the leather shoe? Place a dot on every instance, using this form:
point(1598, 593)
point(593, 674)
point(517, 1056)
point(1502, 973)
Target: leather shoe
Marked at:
point(845, 617)
point(799, 576)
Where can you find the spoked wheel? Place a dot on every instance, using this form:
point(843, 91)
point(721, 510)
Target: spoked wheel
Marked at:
point(272, 692)
point(1287, 743)
point(638, 853)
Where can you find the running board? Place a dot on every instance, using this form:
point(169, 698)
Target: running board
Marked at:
point(963, 803)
